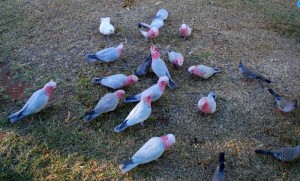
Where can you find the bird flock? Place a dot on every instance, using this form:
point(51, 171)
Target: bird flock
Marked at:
point(154, 147)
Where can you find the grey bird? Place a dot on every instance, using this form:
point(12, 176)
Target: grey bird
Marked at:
point(283, 104)
point(144, 67)
point(157, 21)
point(285, 154)
point(219, 173)
point(251, 74)
point(107, 103)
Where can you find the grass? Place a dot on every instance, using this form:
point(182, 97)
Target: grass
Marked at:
point(47, 40)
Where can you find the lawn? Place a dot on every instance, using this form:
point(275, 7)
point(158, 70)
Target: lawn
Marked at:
point(44, 40)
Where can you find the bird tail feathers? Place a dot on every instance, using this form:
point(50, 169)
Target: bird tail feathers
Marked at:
point(217, 70)
point(97, 80)
point(121, 127)
point(91, 57)
point(144, 25)
point(263, 152)
point(264, 79)
point(222, 161)
point(273, 93)
point(89, 116)
point(15, 116)
point(171, 84)
point(127, 165)
point(131, 99)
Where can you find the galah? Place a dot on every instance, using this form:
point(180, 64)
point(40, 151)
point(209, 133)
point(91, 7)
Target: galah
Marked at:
point(175, 58)
point(283, 104)
point(144, 67)
point(105, 27)
point(116, 81)
point(107, 103)
point(106, 55)
point(219, 173)
point(159, 67)
point(208, 104)
point(285, 154)
point(139, 113)
point(157, 21)
point(150, 151)
point(157, 90)
point(151, 33)
point(36, 102)
point(251, 74)
point(185, 31)
point(203, 71)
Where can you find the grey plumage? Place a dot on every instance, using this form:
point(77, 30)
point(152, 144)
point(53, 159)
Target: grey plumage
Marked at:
point(144, 68)
point(284, 154)
point(106, 104)
point(219, 173)
point(251, 74)
point(283, 104)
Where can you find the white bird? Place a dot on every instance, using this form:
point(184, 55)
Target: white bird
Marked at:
point(105, 27)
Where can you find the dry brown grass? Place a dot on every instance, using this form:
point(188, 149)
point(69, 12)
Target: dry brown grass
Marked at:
point(45, 40)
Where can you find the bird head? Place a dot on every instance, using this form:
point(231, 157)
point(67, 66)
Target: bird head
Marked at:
point(164, 80)
point(120, 93)
point(191, 69)
point(132, 79)
point(49, 87)
point(168, 140)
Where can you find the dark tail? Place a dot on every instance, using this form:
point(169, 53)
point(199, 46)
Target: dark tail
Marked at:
point(127, 165)
point(91, 57)
point(15, 116)
point(97, 80)
point(89, 116)
point(273, 93)
point(143, 25)
point(217, 70)
point(131, 99)
point(121, 127)
point(263, 152)
point(221, 161)
point(263, 79)
point(295, 104)
point(172, 84)
point(144, 67)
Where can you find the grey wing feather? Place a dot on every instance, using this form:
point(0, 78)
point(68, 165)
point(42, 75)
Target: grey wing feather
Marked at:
point(150, 151)
point(108, 54)
point(107, 103)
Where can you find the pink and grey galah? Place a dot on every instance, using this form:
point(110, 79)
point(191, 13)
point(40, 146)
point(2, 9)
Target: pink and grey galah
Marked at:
point(150, 151)
point(157, 90)
point(159, 67)
point(203, 71)
point(152, 33)
point(175, 58)
point(185, 31)
point(106, 55)
point(208, 104)
point(116, 81)
point(139, 113)
point(36, 102)
point(107, 103)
